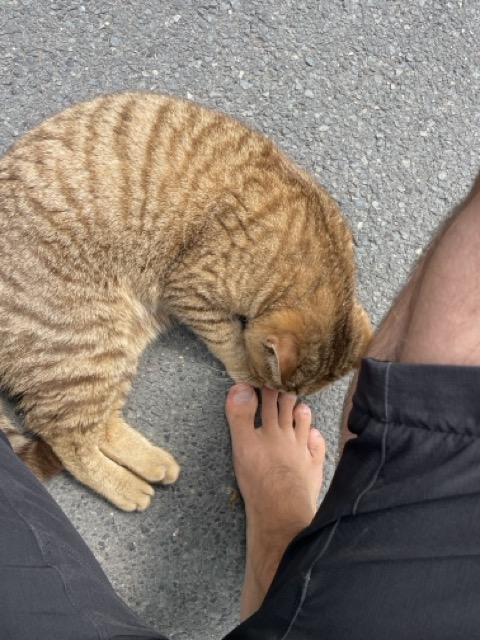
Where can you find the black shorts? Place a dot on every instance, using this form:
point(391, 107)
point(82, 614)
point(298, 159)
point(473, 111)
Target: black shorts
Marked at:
point(393, 552)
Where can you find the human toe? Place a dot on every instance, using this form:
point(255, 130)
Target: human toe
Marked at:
point(240, 406)
point(302, 415)
point(269, 408)
point(286, 404)
point(316, 445)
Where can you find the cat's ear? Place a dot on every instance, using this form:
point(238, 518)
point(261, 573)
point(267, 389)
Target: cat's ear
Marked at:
point(284, 356)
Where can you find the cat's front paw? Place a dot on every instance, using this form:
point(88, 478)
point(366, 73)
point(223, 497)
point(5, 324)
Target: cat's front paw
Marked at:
point(156, 465)
point(170, 466)
point(129, 448)
point(118, 485)
point(117, 462)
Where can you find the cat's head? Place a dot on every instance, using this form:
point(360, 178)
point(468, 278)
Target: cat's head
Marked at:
point(300, 350)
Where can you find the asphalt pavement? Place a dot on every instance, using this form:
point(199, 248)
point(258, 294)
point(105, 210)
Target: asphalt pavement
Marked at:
point(379, 100)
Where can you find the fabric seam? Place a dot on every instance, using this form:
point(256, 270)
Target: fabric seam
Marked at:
point(383, 455)
point(387, 391)
point(374, 478)
point(306, 581)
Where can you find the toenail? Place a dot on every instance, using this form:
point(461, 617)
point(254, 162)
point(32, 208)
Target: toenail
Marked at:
point(304, 408)
point(243, 393)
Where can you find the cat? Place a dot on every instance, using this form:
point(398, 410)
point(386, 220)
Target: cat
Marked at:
point(123, 213)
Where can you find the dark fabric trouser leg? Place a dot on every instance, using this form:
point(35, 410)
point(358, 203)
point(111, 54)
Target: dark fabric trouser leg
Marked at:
point(51, 586)
point(394, 551)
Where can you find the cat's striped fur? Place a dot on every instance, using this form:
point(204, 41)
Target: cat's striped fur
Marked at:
point(127, 211)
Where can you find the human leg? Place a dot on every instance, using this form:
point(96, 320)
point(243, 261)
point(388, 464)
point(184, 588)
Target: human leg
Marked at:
point(436, 304)
point(444, 325)
point(51, 586)
point(282, 458)
point(394, 547)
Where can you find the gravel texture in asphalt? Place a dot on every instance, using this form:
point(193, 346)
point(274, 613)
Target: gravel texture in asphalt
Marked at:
point(379, 100)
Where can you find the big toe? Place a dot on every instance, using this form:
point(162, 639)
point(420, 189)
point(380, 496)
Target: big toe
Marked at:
point(240, 406)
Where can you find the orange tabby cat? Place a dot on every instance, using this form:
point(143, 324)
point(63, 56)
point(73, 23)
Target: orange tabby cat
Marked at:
point(122, 213)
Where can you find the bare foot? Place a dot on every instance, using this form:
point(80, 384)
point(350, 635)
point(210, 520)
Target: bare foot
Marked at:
point(279, 469)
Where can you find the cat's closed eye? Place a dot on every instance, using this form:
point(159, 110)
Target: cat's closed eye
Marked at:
point(242, 320)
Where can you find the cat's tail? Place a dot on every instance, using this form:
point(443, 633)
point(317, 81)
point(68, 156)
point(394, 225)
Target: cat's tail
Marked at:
point(36, 454)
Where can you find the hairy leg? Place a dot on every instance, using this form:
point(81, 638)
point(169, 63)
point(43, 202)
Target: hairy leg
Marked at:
point(444, 327)
point(279, 468)
point(436, 317)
